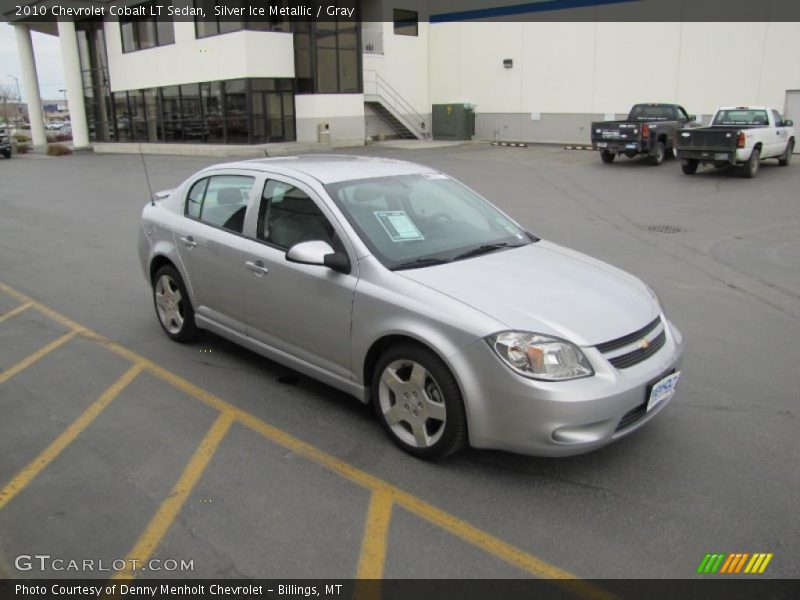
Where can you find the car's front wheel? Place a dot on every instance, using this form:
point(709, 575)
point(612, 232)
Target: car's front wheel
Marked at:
point(419, 402)
point(173, 307)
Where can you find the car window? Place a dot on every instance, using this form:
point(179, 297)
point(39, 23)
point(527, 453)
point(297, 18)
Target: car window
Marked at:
point(682, 114)
point(220, 200)
point(288, 216)
point(648, 112)
point(778, 118)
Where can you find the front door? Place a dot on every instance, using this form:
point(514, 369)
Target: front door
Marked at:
point(303, 310)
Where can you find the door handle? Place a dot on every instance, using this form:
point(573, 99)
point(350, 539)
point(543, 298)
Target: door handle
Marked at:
point(188, 241)
point(257, 267)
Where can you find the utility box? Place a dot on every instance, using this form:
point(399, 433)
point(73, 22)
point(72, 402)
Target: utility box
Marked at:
point(453, 121)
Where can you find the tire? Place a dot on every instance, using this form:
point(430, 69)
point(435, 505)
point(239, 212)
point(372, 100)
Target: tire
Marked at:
point(750, 169)
point(672, 153)
point(7, 153)
point(173, 308)
point(689, 166)
point(608, 157)
point(657, 157)
point(786, 159)
point(419, 403)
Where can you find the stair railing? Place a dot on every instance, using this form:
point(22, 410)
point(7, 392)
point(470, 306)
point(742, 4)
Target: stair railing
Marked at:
point(376, 85)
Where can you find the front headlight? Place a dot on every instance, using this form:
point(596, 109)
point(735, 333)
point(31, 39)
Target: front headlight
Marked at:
point(540, 356)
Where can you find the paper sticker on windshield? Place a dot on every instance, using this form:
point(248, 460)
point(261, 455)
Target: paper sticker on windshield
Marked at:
point(398, 225)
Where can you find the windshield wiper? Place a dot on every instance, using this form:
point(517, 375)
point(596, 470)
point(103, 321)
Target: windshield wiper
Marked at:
point(483, 249)
point(427, 261)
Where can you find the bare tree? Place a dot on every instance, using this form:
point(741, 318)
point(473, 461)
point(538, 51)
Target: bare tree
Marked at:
point(9, 103)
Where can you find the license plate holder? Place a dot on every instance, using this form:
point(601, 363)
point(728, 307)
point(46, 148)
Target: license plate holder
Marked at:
point(662, 390)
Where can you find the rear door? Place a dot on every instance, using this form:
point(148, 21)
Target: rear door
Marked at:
point(208, 238)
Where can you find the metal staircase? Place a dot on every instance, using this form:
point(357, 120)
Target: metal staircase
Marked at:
point(395, 111)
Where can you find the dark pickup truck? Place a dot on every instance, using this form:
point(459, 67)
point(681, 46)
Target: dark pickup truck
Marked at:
point(5, 143)
point(650, 129)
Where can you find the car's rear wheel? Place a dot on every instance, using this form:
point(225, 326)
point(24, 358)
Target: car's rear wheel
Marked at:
point(608, 157)
point(7, 153)
point(657, 157)
point(173, 307)
point(752, 164)
point(786, 159)
point(419, 402)
point(689, 166)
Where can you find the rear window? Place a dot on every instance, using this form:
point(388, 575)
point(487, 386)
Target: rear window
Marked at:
point(741, 116)
point(646, 112)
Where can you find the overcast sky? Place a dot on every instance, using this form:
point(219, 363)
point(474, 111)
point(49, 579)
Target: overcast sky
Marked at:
point(48, 62)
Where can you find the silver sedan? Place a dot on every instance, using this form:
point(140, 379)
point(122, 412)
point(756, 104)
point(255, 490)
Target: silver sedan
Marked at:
point(401, 286)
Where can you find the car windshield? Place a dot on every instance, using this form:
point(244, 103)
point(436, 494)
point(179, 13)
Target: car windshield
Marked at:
point(410, 221)
point(741, 116)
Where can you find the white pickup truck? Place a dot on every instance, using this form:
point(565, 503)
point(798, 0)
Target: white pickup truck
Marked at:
point(738, 136)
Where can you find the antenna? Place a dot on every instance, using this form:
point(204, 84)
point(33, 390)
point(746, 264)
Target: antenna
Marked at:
point(146, 176)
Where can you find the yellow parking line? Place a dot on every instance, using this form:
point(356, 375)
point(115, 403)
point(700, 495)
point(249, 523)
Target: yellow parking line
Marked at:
point(169, 509)
point(24, 477)
point(376, 532)
point(469, 533)
point(29, 360)
point(16, 311)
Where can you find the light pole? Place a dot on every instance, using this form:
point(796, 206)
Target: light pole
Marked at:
point(19, 97)
point(66, 106)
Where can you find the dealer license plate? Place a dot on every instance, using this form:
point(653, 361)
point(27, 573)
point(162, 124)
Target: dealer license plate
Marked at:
point(662, 390)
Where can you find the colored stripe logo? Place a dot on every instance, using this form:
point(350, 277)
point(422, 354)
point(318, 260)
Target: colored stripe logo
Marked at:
point(734, 563)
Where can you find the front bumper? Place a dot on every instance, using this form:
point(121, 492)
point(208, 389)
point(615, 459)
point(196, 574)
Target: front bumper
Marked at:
point(509, 412)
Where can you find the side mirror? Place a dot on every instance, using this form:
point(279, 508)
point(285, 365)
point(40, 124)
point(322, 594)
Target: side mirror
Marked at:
point(317, 252)
point(788, 123)
point(691, 118)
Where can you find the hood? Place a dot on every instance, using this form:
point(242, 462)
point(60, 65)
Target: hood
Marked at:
point(545, 288)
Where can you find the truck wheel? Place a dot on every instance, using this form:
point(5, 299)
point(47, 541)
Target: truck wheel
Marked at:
point(608, 157)
point(787, 155)
point(7, 153)
point(657, 157)
point(689, 166)
point(752, 164)
point(672, 153)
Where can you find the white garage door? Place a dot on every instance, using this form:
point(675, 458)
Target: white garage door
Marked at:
point(792, 111)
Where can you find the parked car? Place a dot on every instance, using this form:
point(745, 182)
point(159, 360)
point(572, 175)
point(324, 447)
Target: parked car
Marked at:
point(403, 287)
point(54, 125)
point(650, 129)
point(738, 136)
point(5, 143)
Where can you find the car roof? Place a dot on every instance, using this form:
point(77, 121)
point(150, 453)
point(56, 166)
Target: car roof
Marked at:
point(330, 168)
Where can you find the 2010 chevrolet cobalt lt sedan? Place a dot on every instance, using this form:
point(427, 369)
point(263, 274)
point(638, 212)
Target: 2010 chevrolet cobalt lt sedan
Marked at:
point(398, 284)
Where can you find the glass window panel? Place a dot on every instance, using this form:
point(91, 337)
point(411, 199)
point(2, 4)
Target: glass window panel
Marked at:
point(225, 201)
point(194, 199)
point(287, 216)
point(236, 111)
point(326, 71)
point(405, 22)
point(146, 34)
point(194, 126)
point(348, 71)
point(138, 124)
point(207, 26)
point(152, 115)
point(166, 29)
point(128, 39)
point(171, 111)
point(211, 94)
point(123, 116)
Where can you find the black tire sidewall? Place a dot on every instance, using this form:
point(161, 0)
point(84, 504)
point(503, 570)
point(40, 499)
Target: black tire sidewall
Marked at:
point(689, 167)
point(659, 153)
point(454, 436)
point(189, 331)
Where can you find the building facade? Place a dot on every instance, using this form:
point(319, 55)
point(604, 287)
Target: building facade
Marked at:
point(158, 80)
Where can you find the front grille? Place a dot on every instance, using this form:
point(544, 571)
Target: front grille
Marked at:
point(630, 338)
point(640, 354)
point(630, 417)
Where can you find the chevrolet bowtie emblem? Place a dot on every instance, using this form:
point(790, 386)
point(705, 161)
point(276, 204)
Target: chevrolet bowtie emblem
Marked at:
point(644, 344)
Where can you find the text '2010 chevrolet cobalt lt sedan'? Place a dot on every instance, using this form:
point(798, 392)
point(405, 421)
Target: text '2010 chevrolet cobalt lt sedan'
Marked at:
point(400, 285)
